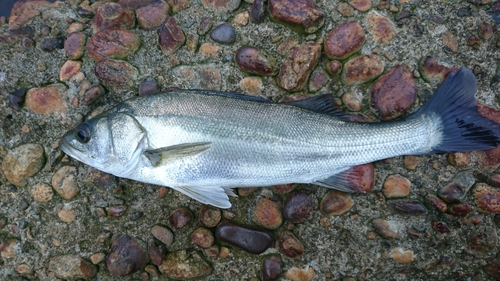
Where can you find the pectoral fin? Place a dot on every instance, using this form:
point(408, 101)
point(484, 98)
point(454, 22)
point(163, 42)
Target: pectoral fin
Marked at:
point(163, 155)
point(211, 195)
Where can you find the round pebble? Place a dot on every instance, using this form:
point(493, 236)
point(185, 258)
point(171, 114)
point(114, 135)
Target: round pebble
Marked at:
point(148, 87)
point(267, 213)
point(345, 40)
point(251, 85)
point(52, 44)
point(93, 93)
point(23, 162)
point(42, 192)
point(116, 75)
point(191, 263)
point(223, 33)
point(180, 218)
point(71, 267)
point(380, 28)
point(299, 207)
point(69, 69)
point(318, 79)
point(202, 237)
point(487, 198)
point(290, 245)
point(433, 71)
point(254, 60)
point(283, 188)
point(157, 253)
point(113, 43)
point(47, 100)
point(74, 45)
point(336, 203)
point(396, 186)
point(117, 211)
point(271, 268)
point(67, 215)
point(402, 256)
point(210, 216)
point(440, 226)
point(112, 16)
point(483, 240)
point(459, 210)
point(64, 182)
point(387, 229)
point(126, 256)
point(170, 36)
point(439, 204)
point(152, 15)
point(362, 69)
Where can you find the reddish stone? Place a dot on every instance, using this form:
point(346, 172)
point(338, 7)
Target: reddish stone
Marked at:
point(489, 112)
point(152, 15)
point(267, 213)
point(388, 229)
point(69, 69)
point(334, 67)
point(209, 216)
point(112, 16)
point(163, 234)
point(133, 4)
point(287, 45)
point(205, 25)
point(362, 69)
point(488, 159)
point(46, 100)
point(170, 36)
point(483, 240)
point(116, 75)
point(361, 5)
point(290, 245)
point(380, 28)
point(439, 204)
point(180, 218)
point(116, 211)
point(202, 237)
point(126, 255)
point(303, 16)
point(485, 30)
point(459, 159)
point(221, 6)
point(459, 210)
point(344, 40)
point(393, 93)
point(411, 161)
point(473, 40)
point(298, 66)
point(283, 188)
point(93, 93)
point(318, 79)
point(408, 207)
point(487, 198)
point(253, 60)
point(23, 11)
point(442, 261)
point(157, 253)
point(271, 268)
point(455, 191)
point(441, 227)
point(434, 71)
point(396, 186)
point(299, 207)
point(449, 42)
point(335, 203)
point(113, 43)
point(178, 5)
point(495, 180)
point(75, 45)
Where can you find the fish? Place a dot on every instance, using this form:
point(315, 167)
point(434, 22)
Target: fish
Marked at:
point(205, 143)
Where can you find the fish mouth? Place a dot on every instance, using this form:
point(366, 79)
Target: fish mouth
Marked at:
point(70, 150)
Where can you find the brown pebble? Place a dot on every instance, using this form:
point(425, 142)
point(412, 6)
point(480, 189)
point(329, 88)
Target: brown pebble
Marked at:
point(252, 86)
point(74, 45)
point(70, 267)
point(298, 65)
point(241, 19)
point(303, 16)
point(402, 256)
point(93, 93)
point(47, 100)
point(67, 215)
point(267, 213)
point(170, 36)
point(318, 79)
point(180, 218)
point(487, 198)
point(387, 229)
point(434, 71)
point(42, 192)
point(157, 253)
point(212, 252)
point(335, 203)
point(362, 69)
point(290, 245)
point(252, 240)
point(163, 234)
point(483, 240)
point(192, 42)
point(287, 45)
point(126, 256)
point(361, 5)
point(411, 161)
point(459, 159)
point(209, 50)
point(283, 188)
point(394, 92)
point(485, 30)
point(69, 69)
point(23, 269)
point(151, 16)
point(440, 226)
point(298, 274)
point(202, 237)
point(299, 207)
point(396, 186)
point(185, 265)
point(408, 207)
point(380, 28)
point(113, 43)
point(459, 210)
point(413, 233)
point(116, 75)
point(112, 16)
point(23, 162)
point(271, 268)
point(439, 204)
point(455, 191)
point(345, 40)
point(116, 211)
point(489, 159)
point(449, 42)
point(334, 68)
point(75, 27)
point(473, 40)
point(253, 60)
point(345, 9)
point(64, 182)
point(209, 216)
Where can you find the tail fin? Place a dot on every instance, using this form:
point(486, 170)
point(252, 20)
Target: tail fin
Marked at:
point(463, 128)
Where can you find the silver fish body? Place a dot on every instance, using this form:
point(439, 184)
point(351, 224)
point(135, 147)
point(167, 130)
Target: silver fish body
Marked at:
point(204, 143)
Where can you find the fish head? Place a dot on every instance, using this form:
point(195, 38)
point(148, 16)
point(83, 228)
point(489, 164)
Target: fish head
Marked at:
point(112, 143)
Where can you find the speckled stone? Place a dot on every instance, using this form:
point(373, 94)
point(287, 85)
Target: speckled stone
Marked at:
point(303, 16)
point(362, 69)
point(23, 162)
point(113, 43)
point(221, 6)
point(251, 85)
point(116, 75)
point(69, 69)
point(396, 186)
point(286, 46)
point(449, 42)
point(411, 161)
point(71, 267)
point(67, 215)
point(455, 191)
point(485, 30)
point(64, 182)
point(298, 274)
point(257, 11)
point(334, 68)
point(345, 40)
point(387, 229)
point(483, 239)
point(271, 268)
point(298, 65)
point(209, 216)
point(170, 36)
point(438, 204)
point(205, 25)
point(489, 159)
point(112, 16)
point(394, 92)
point(223, 33)
point(126, 256)
point(199, 77)
point(319, 78)
point(8, 248)
point(252, 240)
point(380, 28)
point(434, 71)
point(185, 265)
point(492, 268)
point(92, 93)
point(117, 211)
point(335, 203)
point(255, 61)
point(459, 159)
point(267, 213)
point(290, 245)
point(157, 252)
point(16, 98)
point(180, 218)
point(52, 44)
point(42, 192)
point(487, 198)
point(74, 45)
point(299, 207)
point(47, 100)
point(202, 237)
point(192, 42)
point(402, 256)
point(361, 5)
point(152, 15)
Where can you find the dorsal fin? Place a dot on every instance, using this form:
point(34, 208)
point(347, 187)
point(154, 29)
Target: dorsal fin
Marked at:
point(232, 95)
point(326, 104)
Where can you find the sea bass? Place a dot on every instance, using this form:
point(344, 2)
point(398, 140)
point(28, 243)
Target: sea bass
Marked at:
point(204, 143)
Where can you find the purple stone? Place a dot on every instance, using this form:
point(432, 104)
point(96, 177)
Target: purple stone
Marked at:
point(223, 33)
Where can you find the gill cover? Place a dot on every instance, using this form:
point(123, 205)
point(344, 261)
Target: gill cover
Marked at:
point(126, 135)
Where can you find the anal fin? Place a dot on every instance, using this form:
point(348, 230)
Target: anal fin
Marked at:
point(357, 179)
point(210, 195)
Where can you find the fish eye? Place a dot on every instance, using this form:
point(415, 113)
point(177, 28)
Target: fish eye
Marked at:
point(83, 133)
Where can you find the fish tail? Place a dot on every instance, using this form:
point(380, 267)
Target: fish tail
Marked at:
point(462, 127)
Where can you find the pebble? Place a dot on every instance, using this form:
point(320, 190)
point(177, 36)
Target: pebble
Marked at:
point(483, 239)
point(93, 93)
point(170, 36)
point(112, 16)
point(71, 267)
point(271, 268)
point(255, 61)
point(202, 237)
point(24, 269)
point(487, 198)
point(117, 211)
point(23, 162)
point(298, 65)
point(246, 191)
point(42, 192)
point(267, 213)
point(223, 33)
point(336, 203)
point(257, 11)
point(434, 71)
point(345, 40)
point(488, 159)
point(449, 42)
point(459, 210)
point(251, 85)
point(16, 98)
point(249, 239)
point(192, 42)
point(408, 207)
point(439, 204)
point(157, 253)
point(303, 16)
point(380, 28)
point(283, 188)
point(455, 191)
point(163, 234)
point(298, 274)
point(180, 218)
point(152, 15)
point(199, 77)
point(387, 229)
point(492, 268)
point(440, 226)
point(64, 182)
point(97, 258)
point(361, 5)
point(396, 186)
point(209, 216)
point(494, 180)
point(459, 159)
point(442, 261)
point(318, 79)
point(75, 27)
point(241, 19)
point(473, 40)
point(205, 25)
point(209, 50)
point(47, 100)
point(290, 245)
point(185, 265)
point(393, 93)
point(345, 9)
point(411, 161)
point(113, 43)
point(74, 45)
point(52, 44)
point(148, 86)
point(178, 5)
point(116, 75)
point(485, 30)
point(67, 215)
point(69, 69)
point(126, 256)
point(299, 207)
point(101, 179)
point(136, 216)
point(287, 45)
point(334, 68)
point(362, 69)
point(402, 256)
point(212, 252)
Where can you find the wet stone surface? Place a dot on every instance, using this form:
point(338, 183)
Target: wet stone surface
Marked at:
point(170, 36)
point(112, 43)
point(249, 239)
point(362, 69)
point(302, 16)
point(345, 40)
point(299, 207)
point(151, 16)
point(116, 75)
point(126, 256)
